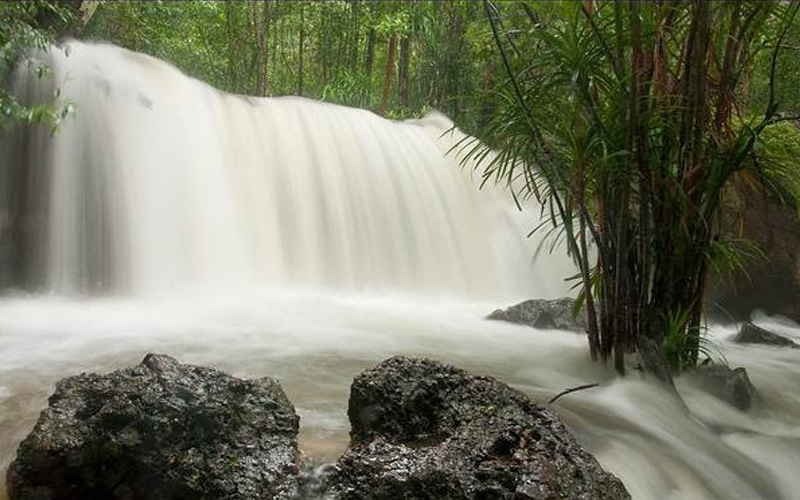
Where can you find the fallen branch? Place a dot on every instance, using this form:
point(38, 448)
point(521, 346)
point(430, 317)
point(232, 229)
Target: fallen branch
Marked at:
point(574, 389)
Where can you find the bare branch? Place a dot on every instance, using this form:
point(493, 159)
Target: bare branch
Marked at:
point(569, 391)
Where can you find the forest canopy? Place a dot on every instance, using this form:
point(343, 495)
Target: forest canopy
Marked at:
point(399, 58)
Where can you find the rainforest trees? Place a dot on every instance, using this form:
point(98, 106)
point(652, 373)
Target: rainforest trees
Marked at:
point(628, 120)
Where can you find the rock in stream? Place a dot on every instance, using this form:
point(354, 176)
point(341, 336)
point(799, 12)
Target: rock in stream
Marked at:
point(544, 314)
point(421, 430)
point(752, 334)
point(427, 430)
point(160, 430)
point(731, 385)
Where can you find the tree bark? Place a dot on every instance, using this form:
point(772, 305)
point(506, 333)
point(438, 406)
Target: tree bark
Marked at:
point(300, 55)
point(369, 57)
point(263, 46)
point(405, 57)
point(355, 10)
point(389, 74)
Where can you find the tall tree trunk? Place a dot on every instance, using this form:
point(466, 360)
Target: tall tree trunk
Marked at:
point(300, 55)
point(369, 57)
point(252, 34)
point(276, 32)
point(389, 74)
point(232, 73)
point(263, 83)
point(405, 57)
point(355, 12)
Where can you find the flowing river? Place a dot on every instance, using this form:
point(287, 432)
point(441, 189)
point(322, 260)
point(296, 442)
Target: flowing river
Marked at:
point(307, 241)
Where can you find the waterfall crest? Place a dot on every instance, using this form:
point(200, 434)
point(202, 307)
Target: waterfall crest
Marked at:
point(159, 181)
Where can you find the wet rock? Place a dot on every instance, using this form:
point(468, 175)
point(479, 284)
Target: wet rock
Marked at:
point(427, 430)
point(160, 430)
point(544, 314)
point(752, 334)
point(771, 284)
point(730, 385)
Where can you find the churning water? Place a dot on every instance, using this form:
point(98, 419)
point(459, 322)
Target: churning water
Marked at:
point(307, 241)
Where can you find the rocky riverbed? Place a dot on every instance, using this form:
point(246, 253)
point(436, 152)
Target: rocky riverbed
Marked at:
point(420, 430)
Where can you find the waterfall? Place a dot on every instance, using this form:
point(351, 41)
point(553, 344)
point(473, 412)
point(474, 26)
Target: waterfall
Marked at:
point(158, 186)
point(158, 182)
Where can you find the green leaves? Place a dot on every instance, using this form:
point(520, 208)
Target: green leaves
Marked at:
point(621, 121)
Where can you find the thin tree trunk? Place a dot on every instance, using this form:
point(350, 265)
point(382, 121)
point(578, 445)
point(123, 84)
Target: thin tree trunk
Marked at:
point(276, 32)
point(405, 57)
point(252, 28)
point(355, 10)
point(369, 57)
point(300, 54)
point(263, 73)
point(389, 74)
point(232, 80)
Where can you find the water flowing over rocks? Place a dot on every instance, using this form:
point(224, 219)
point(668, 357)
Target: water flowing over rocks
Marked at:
point(752, 334)
point(544, 314)
point(730, 385)
point(160, 430)
point(426, 430)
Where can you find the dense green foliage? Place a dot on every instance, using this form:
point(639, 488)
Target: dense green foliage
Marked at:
point(629, 121)
point(25, 26)
point(397, 58)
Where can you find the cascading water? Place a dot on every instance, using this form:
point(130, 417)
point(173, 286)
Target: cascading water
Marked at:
point(308, 241)
point(159, 181)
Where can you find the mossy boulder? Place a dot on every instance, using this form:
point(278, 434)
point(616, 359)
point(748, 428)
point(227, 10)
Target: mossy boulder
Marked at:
point(160, 430)
point(427, 430)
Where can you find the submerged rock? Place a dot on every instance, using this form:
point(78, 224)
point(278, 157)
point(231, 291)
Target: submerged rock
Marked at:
point(730, 385)
point(752, 334)
point(427, 430)
point(544, 314)
point(160, 430)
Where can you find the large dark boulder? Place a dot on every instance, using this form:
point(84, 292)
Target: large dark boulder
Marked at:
point(730, 385)
point(544, 314)
point(427, 430)
point(160, 430)
point(752, 334)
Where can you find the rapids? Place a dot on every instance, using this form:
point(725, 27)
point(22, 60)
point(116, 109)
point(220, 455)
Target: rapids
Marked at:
point(307, 241)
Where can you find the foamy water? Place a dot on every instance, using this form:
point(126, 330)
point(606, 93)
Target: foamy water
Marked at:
point(315, 343)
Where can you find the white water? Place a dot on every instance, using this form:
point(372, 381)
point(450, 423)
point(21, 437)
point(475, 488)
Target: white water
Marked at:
point(159, 182)
point(307, 241)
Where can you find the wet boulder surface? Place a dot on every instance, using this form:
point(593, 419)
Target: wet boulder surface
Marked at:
point(731, 385)
point(160, 430)
point(544, 314)
point(752, 334)
point(427, 430)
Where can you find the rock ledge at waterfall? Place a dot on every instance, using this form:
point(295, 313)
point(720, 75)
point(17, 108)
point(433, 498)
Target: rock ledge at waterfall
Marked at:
point(160, 430)
point(544, 314)
point(426, 430)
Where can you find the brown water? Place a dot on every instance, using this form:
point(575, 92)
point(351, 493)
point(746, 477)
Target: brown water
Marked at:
point(316, 342)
